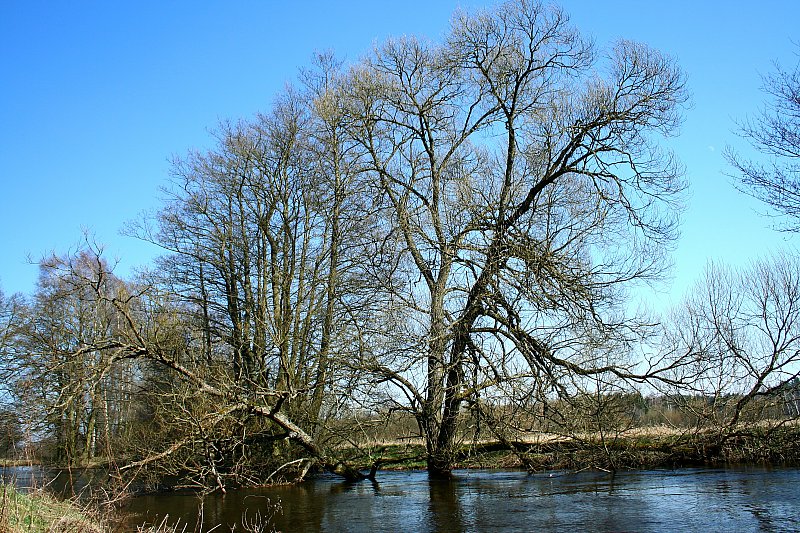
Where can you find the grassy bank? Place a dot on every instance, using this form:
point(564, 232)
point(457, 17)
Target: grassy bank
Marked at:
point(39, 512)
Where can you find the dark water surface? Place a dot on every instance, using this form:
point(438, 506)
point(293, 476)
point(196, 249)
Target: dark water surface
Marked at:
point(724, 500)
point(681, 500)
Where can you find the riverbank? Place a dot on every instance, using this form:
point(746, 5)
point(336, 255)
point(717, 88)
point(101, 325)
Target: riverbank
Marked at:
point(39, 512)
point(654, 451)
point(635, 450)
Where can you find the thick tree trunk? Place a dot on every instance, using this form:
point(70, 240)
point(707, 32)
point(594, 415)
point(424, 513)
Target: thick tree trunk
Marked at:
point(445, 449)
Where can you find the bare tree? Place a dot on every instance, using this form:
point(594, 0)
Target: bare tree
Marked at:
point(738, 335)
point(775, 134)
point(521, 189)
point(90, 326)
point(61, 371)
point(12, 310)
point(442, 228)
point(262, 260)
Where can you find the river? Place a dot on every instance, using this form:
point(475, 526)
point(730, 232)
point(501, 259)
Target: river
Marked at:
point(707, 500)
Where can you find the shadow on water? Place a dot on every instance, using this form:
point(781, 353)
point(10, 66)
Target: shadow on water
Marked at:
point(646, 501)
point(444, 506)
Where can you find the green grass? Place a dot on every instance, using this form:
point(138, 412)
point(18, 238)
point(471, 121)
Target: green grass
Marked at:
point(39, 512)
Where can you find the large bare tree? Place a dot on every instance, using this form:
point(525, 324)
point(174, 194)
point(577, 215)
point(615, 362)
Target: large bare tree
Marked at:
point(521, 189)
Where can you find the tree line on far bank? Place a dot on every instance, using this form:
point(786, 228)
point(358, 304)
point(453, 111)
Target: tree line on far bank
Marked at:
point(443, 232)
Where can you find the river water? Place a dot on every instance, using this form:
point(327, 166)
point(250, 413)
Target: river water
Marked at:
point(707, 500)
point(704, 500)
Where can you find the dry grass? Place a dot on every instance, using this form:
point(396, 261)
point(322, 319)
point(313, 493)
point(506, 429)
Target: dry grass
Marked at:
point(38, 512)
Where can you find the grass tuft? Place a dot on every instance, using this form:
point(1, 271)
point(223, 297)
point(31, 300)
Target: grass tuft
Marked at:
point(38, 512)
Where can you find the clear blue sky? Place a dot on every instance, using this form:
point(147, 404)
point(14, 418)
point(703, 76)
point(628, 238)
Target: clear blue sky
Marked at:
point(96, 96)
